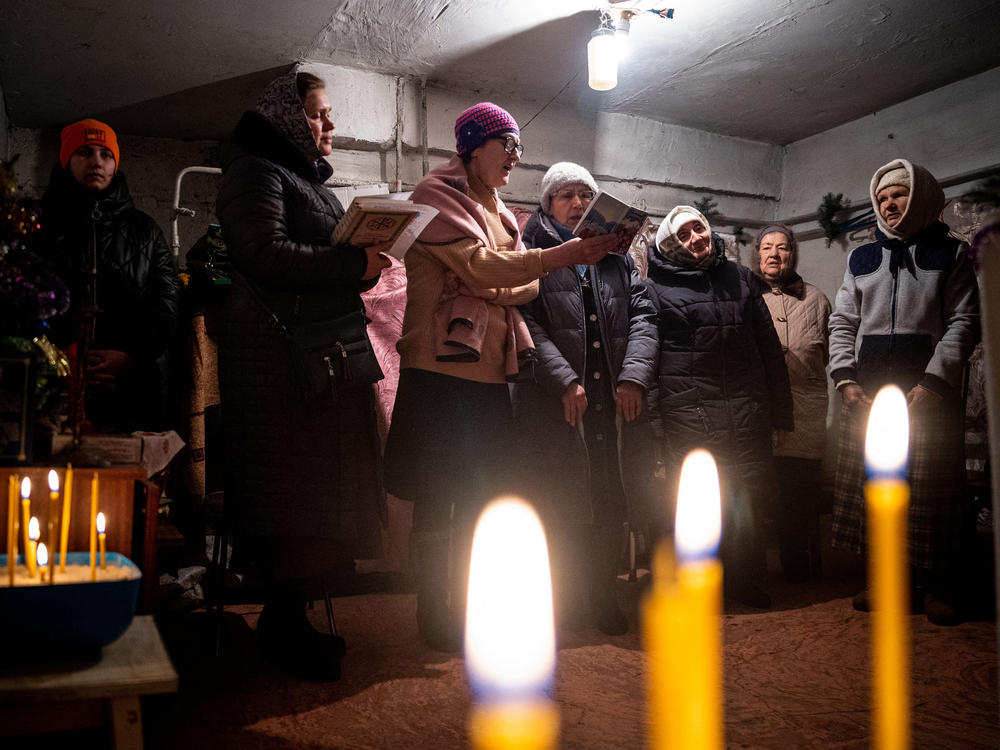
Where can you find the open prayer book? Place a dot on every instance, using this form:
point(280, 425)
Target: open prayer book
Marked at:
point(608, 215)
point(370, 220)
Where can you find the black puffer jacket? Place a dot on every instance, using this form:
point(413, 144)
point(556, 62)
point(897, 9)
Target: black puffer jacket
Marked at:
point(722, 382)
point(296, 469)
point(137, 293)
point(137, 287)
point(555, 455)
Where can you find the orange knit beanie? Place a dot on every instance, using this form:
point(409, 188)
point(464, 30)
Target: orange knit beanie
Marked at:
point(84, 133)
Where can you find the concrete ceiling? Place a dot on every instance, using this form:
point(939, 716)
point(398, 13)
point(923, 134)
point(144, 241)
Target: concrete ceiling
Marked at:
point(769, 70)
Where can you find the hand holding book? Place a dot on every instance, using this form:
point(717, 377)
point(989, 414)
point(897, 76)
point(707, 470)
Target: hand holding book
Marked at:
point(378, 259)
point(606, 215)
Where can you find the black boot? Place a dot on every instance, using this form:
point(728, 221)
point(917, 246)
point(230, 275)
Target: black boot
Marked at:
point(286, 638)
point(437, 620)
point(605, 558)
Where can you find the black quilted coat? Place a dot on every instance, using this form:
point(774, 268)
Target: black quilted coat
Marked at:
point(294, 469)
point(722, 382)
point(137, 287)
point(555, 456)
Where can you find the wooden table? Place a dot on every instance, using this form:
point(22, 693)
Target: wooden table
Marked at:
point(81, 693)
point(117, 488)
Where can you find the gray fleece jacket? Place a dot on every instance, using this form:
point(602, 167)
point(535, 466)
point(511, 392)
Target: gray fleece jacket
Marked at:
point(908, 309)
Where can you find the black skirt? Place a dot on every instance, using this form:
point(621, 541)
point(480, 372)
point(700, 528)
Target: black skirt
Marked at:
point(449, 447)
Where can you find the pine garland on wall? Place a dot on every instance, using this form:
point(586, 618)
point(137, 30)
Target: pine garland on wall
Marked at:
point(830, 206)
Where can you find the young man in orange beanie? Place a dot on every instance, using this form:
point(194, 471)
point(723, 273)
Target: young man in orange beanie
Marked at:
point(114, 258)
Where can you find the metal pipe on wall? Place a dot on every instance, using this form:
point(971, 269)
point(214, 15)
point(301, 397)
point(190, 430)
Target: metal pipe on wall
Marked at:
point(175, 239)
point(397, 184)
point(424, 161)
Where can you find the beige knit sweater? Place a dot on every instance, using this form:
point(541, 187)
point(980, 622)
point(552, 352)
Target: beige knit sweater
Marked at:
point(509, 275)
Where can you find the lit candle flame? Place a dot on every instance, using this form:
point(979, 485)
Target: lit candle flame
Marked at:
point(509, 629)
point(33, 529)
point(53, 481)
point(100, 523)
point(25, 488)
point(699, 512)
point(888, 433)
point(42, 556)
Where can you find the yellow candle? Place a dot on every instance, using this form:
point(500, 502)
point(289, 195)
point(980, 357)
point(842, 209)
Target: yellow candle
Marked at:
point(11, 531)
point(888, 495)
point(510, 631)
point(53, 519)
point(699, 585)
point(43, 560)
point(26, 515)
point(34, 531)
point(659, 632)
point(66, 515)
point(93, 528)
point(682, 619)
point(100, 536)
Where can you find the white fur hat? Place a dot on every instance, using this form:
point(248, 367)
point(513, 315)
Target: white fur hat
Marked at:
point(560, 174)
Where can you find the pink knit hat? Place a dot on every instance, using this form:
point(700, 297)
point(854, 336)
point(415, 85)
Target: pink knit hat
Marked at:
point(478, 123)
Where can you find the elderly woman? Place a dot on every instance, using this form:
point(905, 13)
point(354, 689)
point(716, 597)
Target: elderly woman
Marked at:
point(449, 448)
point(302, 475)
point(594, 332)
point(908, 314)
point(800, 312)
point(722, 382)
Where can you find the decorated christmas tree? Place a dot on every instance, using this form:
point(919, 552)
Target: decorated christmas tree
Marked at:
point(30, 295)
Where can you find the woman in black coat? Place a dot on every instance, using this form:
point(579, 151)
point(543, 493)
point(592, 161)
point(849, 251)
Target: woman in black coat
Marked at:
point(579, 423)
point(721, 385)
point(302, 475)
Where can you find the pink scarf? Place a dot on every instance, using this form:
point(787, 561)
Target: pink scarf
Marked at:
point(462, 315)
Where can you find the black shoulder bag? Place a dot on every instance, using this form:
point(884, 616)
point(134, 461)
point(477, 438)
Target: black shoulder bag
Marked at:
point(327, 356)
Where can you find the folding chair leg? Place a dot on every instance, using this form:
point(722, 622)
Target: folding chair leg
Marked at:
point(329, 609)
point(219, 565)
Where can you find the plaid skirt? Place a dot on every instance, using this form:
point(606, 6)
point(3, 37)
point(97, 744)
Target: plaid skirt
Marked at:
point(936, 475)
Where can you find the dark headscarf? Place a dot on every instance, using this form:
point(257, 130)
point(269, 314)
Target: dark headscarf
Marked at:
point(281, 106)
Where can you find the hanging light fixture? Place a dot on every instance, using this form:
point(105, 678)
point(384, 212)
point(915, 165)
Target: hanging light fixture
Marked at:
point(609, 44)
point(602, 56)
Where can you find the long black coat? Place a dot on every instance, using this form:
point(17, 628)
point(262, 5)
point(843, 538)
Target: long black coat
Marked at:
point(137, 288)
point(555, 457)
point(722, 383)
point(295, 469)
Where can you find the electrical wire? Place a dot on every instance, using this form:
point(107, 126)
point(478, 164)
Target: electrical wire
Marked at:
point(575, 76)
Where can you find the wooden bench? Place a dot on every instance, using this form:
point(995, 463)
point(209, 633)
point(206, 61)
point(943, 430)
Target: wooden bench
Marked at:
point(87, 692)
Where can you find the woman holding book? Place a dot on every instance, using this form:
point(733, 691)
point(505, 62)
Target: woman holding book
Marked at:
point(595, 333)
point(450, 444)
point(721, 384)
point(302, 475)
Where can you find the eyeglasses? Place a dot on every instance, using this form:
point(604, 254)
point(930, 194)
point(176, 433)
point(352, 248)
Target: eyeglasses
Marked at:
point(510, 145)
point(585, 196)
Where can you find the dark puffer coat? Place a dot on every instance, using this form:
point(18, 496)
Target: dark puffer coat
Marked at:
point(555, 455)
point(722, 382)
point(295, 469)
point(137, 286)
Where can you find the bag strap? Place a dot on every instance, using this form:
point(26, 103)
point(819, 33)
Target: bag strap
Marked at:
point(255, 291)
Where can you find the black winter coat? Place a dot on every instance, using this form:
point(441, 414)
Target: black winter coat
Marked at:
point(555, 456)
point(722, 383)
point(295, 469)
point(137, 285)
